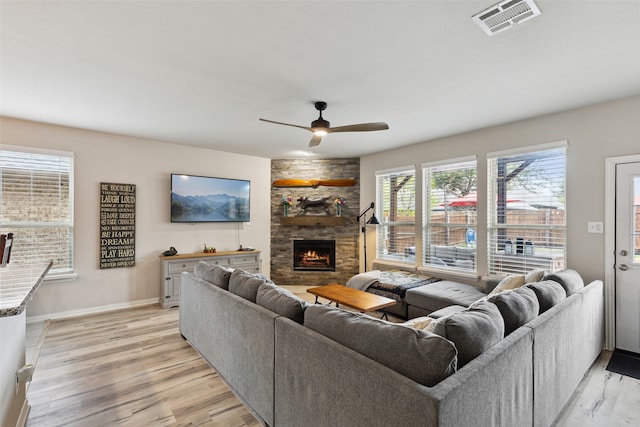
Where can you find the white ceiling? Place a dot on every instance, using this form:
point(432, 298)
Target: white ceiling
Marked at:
point(201, 73)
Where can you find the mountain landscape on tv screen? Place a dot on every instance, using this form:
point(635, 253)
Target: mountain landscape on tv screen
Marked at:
point(210, 208)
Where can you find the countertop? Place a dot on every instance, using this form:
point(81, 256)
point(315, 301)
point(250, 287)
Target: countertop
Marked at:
point(17, 285)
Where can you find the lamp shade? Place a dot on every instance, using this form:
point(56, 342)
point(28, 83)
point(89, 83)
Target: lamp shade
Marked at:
point(373, 220)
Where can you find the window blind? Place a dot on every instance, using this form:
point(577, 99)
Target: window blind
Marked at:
point(527, 211)
point(36, 199)
point(450, 215)
point(396, 209)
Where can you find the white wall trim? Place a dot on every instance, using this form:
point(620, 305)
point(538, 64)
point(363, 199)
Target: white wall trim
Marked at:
point(92, 310)
point(24, 413)
point(610, 246)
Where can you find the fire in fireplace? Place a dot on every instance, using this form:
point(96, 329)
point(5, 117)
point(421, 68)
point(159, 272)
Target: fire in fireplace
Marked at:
point(314, 255)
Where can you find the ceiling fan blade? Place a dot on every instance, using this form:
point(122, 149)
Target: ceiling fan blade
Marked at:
point(315, 140)
point(362, 127)
point(288, 124)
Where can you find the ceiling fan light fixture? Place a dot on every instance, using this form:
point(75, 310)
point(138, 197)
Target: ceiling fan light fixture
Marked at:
point(321, 127)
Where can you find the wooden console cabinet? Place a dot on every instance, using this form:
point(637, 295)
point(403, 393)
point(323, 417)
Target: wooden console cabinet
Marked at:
point(173, 266)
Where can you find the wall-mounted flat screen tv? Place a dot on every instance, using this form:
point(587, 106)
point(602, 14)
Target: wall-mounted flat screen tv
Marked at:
point(209, 199)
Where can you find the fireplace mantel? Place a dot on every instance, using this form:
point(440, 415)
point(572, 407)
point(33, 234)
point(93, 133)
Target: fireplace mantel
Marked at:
point(311, 220)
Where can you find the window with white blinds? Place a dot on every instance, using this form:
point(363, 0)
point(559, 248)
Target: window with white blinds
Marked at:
point(36, 197)
point(450, 215)
point(527, 220)
point(396, 211)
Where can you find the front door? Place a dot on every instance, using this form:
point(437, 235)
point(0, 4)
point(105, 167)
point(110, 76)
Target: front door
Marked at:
point(627, 257)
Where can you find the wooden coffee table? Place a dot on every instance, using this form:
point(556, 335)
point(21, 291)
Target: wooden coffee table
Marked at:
point(354, 298)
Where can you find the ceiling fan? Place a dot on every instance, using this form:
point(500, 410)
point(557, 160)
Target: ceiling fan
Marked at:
point(320, 127)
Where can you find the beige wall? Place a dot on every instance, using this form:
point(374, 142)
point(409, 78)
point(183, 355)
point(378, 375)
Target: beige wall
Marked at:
point(593, 134)
point(102, 157)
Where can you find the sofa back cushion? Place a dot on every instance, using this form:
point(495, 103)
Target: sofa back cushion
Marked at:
point(472, 330)
point(548, 292)
point(214, 274)
point(281, 301)
point(517, 307)
point(421, 356)
point(245, 284)
point(569, 279)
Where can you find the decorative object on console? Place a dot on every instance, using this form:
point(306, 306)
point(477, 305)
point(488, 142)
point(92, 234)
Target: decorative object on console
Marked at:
point(371, 221)
point(171, 252)
point(209, 249)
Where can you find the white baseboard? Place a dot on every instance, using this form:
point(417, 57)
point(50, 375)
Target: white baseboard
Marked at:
point(91, 310)
point(24, 413)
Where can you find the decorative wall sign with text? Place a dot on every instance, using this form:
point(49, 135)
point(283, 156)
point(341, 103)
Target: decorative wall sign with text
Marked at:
point(117, 225)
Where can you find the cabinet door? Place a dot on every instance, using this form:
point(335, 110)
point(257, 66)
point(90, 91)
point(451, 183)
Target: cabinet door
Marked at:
point(167, 291)
point(175, 287)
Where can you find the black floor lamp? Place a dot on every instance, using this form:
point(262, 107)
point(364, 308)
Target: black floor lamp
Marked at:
point(374, 221)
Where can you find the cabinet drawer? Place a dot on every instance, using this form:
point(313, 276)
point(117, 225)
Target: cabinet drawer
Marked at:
point(217, 260)
point(179, 266)
point(247, 259)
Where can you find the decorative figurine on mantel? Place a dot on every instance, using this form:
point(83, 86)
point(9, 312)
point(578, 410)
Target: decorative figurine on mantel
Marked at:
point(306, 204)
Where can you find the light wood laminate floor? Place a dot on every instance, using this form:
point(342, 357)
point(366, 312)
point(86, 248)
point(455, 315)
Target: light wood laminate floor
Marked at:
point(127, 368)
point(132, 367)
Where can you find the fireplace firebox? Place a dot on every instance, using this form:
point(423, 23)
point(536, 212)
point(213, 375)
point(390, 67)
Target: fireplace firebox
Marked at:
point(314, 255)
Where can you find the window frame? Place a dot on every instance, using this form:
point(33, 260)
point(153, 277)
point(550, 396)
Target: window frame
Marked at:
point(451, 264)
point(68, 223)
point(384, 228)
point(499, 261)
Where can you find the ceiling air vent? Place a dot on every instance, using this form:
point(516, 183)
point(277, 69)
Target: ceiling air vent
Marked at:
point(505, 15)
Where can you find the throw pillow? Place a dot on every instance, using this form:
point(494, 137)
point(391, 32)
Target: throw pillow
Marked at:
point(417, 322)
point(281, 301)
point(245, 284)
point(570, 280)
point(548, 292)
point(473, 330)
point(517, 307)
point(421, 356)
point(509, 282)
point(214, 274)
point(534, 276)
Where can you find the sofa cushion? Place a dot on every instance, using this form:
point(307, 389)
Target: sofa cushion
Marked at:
point(512, 281)
point(548, 292)
point(570, 280)
point(421, 356)
point(517, 307)
point(215, 274)
point(444, 293)
point(245, 284)
point(473, 330)
point(281, 301)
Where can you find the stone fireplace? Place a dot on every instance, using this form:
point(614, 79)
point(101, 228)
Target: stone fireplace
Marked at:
point(342, 232)
point(314, 255)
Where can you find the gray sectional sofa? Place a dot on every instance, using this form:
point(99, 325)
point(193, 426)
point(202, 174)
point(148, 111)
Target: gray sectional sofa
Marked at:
point(298, 364)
